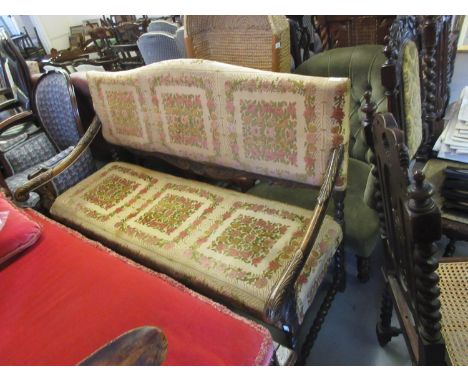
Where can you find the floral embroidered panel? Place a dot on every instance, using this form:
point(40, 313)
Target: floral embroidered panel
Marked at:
point(274, 124)
point(233, 244)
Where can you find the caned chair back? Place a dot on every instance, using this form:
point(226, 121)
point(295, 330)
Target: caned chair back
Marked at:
point(259, 42)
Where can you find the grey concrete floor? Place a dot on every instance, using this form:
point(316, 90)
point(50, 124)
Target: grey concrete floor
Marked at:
point(348, 334)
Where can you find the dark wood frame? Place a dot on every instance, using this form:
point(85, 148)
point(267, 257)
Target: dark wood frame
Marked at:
point(411, 225)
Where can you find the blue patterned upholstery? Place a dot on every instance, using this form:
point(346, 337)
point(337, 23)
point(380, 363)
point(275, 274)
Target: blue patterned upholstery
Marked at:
point(180, 41)
point(29, 153)
point(55, 109)
point(158, 46)
point(53, 106)
point(162, 26)
point(78, 171)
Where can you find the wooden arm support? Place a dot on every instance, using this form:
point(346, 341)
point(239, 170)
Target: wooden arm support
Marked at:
point(292, 272)
point(15, 120)
point(22, 192)
point(144, 346)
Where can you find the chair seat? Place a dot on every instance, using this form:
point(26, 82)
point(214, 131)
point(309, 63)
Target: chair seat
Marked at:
point(361, 222)
point(454, 308)
point(226, 243)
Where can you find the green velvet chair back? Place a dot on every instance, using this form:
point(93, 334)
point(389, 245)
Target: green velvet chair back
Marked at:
point(362, 64)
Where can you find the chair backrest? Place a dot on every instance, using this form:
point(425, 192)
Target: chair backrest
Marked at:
point(341, 31)
point(259, 42)
point(162, 26)
point(402, 79)
point(158, 46)
point(180, 41)
point(55, 106)
point(16, 71)
point(275, 125)
point(127, 32)
point(410, 225)
point(362, 65)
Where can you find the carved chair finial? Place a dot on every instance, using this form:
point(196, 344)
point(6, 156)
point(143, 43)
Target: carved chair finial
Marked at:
point(420, 193)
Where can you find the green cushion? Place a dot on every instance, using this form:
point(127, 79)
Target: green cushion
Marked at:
point(362, 64)
point(361, 222)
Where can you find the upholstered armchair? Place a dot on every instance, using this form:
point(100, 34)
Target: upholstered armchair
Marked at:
point(55, 110)
point(260, 42)
point(158, 46)
point(180, 41)
point(162, 26)
point(362, 64)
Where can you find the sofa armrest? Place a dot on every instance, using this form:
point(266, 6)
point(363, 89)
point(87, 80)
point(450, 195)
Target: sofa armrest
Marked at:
point(285, 284)
point(15, 119)
point(44, 177)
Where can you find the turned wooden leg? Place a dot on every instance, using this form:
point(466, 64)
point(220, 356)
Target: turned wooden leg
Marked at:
point(324, 308)
point(384, 330)
point(450, 248)
point(338, 198)
point(363, 268)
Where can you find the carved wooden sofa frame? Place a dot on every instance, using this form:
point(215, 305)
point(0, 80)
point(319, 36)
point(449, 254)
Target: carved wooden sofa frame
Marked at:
point(279, 310)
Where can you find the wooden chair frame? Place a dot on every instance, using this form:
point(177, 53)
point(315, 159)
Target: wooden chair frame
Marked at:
point(411, 224)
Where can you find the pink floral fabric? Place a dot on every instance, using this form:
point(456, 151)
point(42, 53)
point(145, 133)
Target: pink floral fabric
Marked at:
point(275, 124)
point(233, 244)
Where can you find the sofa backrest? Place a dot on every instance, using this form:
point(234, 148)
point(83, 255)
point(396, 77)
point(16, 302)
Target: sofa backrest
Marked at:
point(271, 124)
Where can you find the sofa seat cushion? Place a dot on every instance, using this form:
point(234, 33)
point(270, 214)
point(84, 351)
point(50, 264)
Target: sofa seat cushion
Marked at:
point(220, 241)
point(68, 296)
point(361, 222)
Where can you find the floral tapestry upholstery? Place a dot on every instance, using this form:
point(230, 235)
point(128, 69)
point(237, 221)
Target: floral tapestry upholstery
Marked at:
point(412, 98)
point(226, 242)
point(55, 109)
point(275, 124)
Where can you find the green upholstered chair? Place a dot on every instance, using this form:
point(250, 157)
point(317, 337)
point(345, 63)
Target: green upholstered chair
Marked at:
point(362, 64)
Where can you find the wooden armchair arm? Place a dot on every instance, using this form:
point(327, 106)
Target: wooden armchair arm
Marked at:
point(22, 192)
point(285, 284)
point(15, 120)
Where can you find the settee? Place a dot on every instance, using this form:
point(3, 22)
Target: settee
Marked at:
point(228, 123)
point(65, 296)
